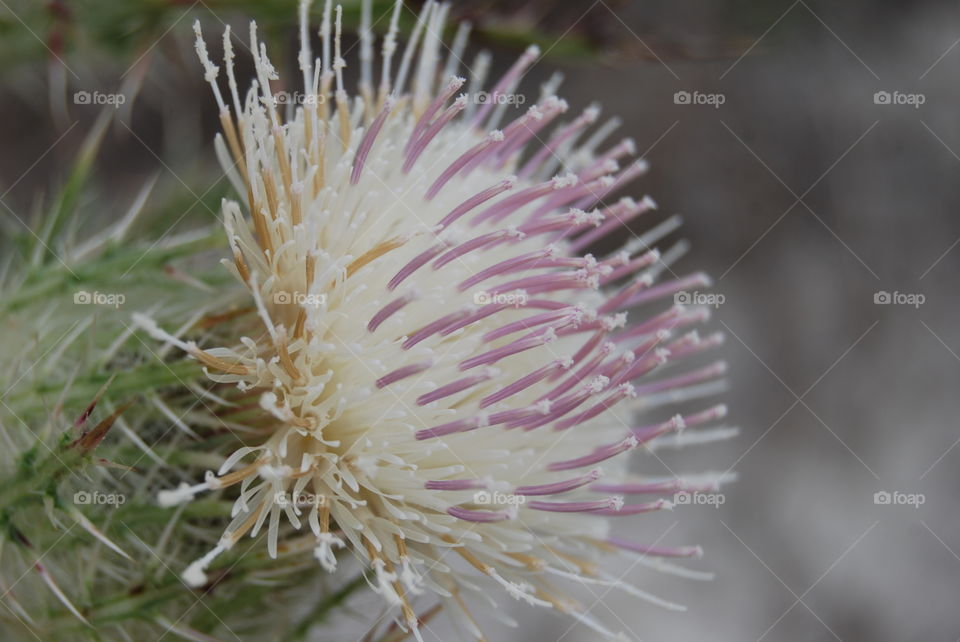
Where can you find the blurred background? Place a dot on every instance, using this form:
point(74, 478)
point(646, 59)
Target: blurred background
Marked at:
point(814, 157)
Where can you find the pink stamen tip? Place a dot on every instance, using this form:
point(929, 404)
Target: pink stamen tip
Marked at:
point(388, 310)
point(454, 387)
point(532, 260)
point(505, 81)
point(576, 507)
point(656, 551)
point(506, 206)
point(415, 264)
point(520, 345)
point(676, 317)
point(367, 143)
point(637, 509)
point(403, 373)
point(600, 454)
point(453, 85)
point(530, 322)
point(619, 217)
point(418, 148)
point(457, 484)
point(477, 199)
point(431, 329)
point(622, 392)
point(453, 427)
point(556, 488)
point(670, 288)
point(631, 266)
point(523, 129)
point(490, 141)
point(586, 118)
point(712, 371)
point(470, 246)
point(582, 373)
point(558, 408)
point(646, 488)
point(647, 433)
point(482, 516)
point(523, 383)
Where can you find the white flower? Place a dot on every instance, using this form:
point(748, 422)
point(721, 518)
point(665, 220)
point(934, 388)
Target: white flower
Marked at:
point(427, 327)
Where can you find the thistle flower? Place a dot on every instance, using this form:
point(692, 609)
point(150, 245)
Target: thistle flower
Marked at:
point(442, 370)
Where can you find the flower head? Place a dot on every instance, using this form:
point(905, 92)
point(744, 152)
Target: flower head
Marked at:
point(442, 371)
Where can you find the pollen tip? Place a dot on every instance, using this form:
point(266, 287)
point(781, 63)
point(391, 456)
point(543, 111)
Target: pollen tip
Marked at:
point(194, 576)
point(175, 497)
point(610, 165)
point(567, 180)
point(598, 383)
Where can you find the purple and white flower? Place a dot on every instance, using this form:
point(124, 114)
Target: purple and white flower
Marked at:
point(430, 333)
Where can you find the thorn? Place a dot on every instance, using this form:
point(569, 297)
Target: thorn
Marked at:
point(90, 439)
point(82, 419)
